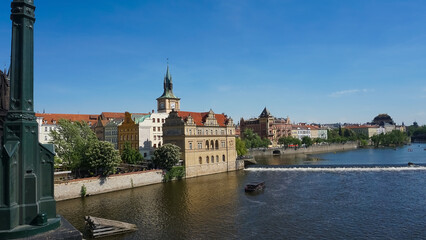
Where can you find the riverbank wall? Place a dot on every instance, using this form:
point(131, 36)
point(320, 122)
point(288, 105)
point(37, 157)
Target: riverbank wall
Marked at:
point(324, 148)
point(95, 185)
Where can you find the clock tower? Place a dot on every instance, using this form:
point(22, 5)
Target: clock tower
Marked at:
point(168, 100)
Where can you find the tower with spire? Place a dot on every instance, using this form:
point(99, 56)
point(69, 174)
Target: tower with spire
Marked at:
point(168, 101)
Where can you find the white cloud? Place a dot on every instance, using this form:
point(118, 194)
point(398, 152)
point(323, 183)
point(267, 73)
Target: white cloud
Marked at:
point(349, 92)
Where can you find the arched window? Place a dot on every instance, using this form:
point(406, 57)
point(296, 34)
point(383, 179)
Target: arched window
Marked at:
point(159, 144)
point(153, 120)
point(155, 145)
point(200, 159)
point(217, 144)
point(158, 120)
point(212, 144)
point(217, 158)
point(223, 158)
point(207, 144)
point(207, 159)
point(212, 159)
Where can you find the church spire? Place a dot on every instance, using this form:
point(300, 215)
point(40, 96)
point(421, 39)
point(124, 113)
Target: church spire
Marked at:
point(168, 85)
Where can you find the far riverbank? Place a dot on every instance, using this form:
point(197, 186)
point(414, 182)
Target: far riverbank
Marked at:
point(314, 149)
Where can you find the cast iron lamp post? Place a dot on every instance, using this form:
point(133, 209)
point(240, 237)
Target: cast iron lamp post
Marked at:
point(27, 204)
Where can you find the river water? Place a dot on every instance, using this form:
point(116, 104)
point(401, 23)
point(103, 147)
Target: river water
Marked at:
point(360, 194)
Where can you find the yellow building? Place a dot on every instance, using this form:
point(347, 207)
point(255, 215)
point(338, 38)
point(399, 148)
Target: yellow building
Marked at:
point(207, 141)
point(128, 130)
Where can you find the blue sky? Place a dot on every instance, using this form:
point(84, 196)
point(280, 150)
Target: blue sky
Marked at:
point(314, 61)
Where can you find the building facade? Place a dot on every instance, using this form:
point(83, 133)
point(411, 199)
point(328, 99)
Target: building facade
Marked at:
point(207, 141)
point(267, 126)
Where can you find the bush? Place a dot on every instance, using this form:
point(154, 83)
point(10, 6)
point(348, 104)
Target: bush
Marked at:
point(177, 172)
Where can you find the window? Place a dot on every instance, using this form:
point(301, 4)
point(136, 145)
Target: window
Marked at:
point(190, 145)
point(159, 144)
point(162, 120)
point(158, 120)
point(217, 158)
point(212, 159)
point(222, 132)
point(207, 159)
point(153, 120)
point(223, 158)
point(200, 160)
point(207, 144)
point(144, 154)
point(45, 138)
point(200, 145)
point(155, 137)
point(211, 144)
point(153, 129)
point(199, 131)
point(155, 145)
point(215, 132)
point(211, 131)
point(223, 144)
point(45, 129)
point(190, 132)
point(217, 144)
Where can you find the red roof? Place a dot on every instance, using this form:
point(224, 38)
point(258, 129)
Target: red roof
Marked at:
point(199, 117)
point(112, 115)
point(52, 118)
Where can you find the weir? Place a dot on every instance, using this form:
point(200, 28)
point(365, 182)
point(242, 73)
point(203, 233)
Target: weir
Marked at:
point(335, 168)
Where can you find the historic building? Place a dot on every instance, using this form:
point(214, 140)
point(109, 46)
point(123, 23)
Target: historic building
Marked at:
point(168, 101)
point(267, 126)
point(128, 130)
point(367, 130)
point(106, 127)
point(48, 122)
point(206, 139)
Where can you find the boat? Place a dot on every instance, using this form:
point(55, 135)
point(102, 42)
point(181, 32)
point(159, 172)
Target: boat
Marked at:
point(254, 186)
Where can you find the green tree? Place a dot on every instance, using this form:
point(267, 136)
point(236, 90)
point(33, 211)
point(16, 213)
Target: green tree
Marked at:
point(253, 140)
point(166, 156)
point(241, 147)
point(102, 158)
point(130, 155)
point(80, 151)
point(71, 140)
point(307, 141)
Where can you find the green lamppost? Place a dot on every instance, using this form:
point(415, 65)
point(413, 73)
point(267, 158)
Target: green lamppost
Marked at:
point(27, 204)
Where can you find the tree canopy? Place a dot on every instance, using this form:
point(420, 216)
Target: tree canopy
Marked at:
point(130, 155)
point(166, 156)
point(252, 140)
point(240, 147)
point(79, 149)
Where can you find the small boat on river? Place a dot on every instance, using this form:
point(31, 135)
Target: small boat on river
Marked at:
point(254, 186)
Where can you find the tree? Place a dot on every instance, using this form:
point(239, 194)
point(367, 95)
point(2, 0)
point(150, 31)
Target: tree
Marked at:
point(79, 149)
point(71, 140)
point(166, 156)
point(102, 158)
point(253, 140)
point(130, 155)
point(240, 147)
point(307, 141)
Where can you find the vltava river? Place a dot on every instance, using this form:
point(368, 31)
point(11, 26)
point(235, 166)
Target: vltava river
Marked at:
point(361, 194)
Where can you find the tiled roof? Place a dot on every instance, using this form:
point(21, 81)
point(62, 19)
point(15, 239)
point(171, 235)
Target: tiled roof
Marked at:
point(199, 117)
point(53, 117)
point(114, 115)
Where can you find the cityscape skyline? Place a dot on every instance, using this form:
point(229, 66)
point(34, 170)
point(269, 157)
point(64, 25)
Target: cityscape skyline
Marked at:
point(323, 62)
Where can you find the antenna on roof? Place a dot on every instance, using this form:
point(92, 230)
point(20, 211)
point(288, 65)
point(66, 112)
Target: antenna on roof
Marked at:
point(44, 111)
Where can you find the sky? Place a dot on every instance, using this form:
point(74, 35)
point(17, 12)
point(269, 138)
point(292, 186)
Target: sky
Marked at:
point(316, 61)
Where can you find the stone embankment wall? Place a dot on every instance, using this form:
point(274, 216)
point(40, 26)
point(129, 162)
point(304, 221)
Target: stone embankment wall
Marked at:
point(95, 185)
point(309, 150)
